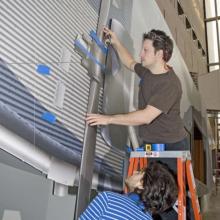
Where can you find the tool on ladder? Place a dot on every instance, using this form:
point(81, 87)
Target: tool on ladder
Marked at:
point(138, 160)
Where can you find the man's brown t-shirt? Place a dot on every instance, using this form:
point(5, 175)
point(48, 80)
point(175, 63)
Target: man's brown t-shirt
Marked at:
point(162, 91)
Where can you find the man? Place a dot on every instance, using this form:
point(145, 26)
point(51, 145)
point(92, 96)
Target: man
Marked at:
point(156, 188)
point(158, 115)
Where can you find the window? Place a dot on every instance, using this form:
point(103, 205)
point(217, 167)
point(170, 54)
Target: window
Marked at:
point(213, 68)
point(179, 8)
point(212, 12)
point(218, 7)
point(212, 41)
point(210, 8)
point(219, 30)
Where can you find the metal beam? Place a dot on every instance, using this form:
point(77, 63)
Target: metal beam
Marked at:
point(89, 143)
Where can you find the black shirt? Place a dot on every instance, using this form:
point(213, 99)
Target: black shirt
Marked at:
point(162, 91)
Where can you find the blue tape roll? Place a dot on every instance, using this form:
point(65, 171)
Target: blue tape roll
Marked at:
point(158, 147)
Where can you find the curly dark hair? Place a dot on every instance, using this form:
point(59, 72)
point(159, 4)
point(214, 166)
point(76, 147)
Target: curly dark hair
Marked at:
point(159, 188)
point(160, 42)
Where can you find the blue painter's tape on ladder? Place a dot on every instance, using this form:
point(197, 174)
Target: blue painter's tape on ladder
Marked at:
point(158, 147)
point(43, 69)
point(88, 54)
point(49, 117)
point(102, 46)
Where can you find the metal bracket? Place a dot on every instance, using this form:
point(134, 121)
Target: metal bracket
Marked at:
point(83, 48)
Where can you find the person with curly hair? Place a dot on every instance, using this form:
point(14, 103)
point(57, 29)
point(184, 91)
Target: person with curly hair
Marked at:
point(152, 191)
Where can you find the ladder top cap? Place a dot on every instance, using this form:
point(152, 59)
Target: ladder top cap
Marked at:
point(162, 154)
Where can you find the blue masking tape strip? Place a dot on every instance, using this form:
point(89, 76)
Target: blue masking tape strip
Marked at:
point(139, 149)
point(49, 117)
point(128, 149)
point(43, 69)
point(88, 54)
point(98, 42)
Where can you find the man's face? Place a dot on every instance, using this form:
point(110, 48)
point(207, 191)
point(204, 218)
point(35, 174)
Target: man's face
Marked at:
point(148, 56)
point(135, 181)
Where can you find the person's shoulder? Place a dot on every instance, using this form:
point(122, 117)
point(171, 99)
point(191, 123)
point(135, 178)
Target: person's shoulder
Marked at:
point(109, 194)
point(140, 67)
point(173, 73)
point(140, 70)
point(172, 77)
point(114, 196)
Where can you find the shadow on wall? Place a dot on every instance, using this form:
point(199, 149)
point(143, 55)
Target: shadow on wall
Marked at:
point(20, 112)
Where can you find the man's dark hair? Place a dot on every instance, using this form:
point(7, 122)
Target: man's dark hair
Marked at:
point(160, 42)
point(159, 188)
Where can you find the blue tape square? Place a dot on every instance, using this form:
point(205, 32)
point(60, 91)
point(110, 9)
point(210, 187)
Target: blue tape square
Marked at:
point(49, 117)
point(43, 69)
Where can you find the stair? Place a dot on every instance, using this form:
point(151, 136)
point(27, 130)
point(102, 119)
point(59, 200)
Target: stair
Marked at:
point(217, 169)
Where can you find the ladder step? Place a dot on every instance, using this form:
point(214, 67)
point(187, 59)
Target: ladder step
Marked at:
point(217, 173)
point(217, 169)
point(217, 179)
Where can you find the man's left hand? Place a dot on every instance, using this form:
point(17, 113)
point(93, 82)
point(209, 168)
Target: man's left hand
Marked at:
point(98, 119)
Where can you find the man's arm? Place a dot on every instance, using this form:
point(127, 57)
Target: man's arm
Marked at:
point(123, 53)
point(139, 117)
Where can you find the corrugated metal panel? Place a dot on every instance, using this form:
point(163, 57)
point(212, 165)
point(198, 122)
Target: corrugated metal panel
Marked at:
point(35, 32)
point(113, 156)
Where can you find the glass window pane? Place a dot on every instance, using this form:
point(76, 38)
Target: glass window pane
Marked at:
point(212, 68)
point(212, 42)
point(219, 29)
point(218, 7)
point(210, 8)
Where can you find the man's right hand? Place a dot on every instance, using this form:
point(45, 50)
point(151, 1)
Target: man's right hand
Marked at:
point(111, 36)
point(124, 55)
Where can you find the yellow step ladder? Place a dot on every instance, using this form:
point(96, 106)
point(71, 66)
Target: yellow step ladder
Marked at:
point(138, 160)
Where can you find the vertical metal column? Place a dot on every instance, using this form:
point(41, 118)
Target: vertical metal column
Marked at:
point(89, 143)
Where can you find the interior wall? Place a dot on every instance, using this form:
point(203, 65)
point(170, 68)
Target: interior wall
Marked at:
point(209, 89)
point(198, 156)
point(32, 196)
point(191, 51)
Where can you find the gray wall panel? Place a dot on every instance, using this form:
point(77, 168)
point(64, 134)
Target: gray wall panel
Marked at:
point(35, 32)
